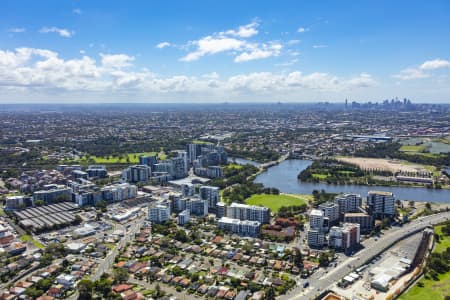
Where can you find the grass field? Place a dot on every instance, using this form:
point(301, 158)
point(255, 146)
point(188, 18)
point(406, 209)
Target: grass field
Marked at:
point(320, 176)
point(274, 202)
point(412, 148)
point(432, 289)
point(29, 238)
point(234, 166)
point(131, 158)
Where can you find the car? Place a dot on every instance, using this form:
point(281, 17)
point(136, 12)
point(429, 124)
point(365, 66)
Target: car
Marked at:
point(305, 285)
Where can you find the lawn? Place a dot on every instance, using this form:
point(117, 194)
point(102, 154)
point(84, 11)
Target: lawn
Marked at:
point(320, 176)
point(444, 241)
point(234, 166)
point(274, 202)
point(412, 148)
point(29, 238)
point(131, 158)
point(432, 289)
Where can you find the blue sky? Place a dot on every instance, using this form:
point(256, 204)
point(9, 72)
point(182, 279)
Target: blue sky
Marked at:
point(215, 51)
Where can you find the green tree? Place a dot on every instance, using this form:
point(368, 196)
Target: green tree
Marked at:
point(33, 292)
point(103, 287)
point(270, 293)
point(120, 275)
point(85, 287)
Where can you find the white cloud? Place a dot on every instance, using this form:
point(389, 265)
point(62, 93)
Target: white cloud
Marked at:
point(233, 42)
point(26, 72)
point(77, 11)
point(61, 31)
point(116, 61)
point(16, 30)
point(319, 46)
point(163, 45)
point(435, 64)
point(363, 80)
point(411, 73)
point(244, 31)
point(293, 42)
point(302, 29)
point(213, 45)
point(258, 53)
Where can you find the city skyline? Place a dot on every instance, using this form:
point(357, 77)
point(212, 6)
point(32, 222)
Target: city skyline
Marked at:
point(160, 52)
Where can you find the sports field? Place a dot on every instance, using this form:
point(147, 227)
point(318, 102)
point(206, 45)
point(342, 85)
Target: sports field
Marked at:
point(274, 202)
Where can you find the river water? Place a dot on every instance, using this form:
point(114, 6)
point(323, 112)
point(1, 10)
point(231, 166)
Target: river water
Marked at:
point(284, 177)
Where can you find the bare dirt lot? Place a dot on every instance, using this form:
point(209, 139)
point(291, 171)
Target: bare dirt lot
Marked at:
point(383, 164)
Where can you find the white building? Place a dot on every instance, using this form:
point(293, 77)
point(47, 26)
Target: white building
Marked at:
point(316, 219)
point(345, 237)
point(330, 211)
point(137, 173)
point(158, 213)
point(316, 238)
point(119, 192)
point(381, 204)
point(348, 203)
point(249, 212)
point(183, 217)
point(211, 194)
point(241, 227)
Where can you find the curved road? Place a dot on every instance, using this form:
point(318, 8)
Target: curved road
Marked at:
point(371, 248)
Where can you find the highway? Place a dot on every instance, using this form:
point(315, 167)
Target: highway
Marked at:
point(320, 281)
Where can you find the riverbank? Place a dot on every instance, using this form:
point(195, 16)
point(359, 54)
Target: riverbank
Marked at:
point(283, 176)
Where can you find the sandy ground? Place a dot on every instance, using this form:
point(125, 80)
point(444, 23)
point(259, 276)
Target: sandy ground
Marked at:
point(382, 164)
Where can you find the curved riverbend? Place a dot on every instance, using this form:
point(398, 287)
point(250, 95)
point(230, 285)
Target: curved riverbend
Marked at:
point(284, 177)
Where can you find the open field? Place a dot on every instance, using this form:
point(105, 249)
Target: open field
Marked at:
point(444, 242)
point(383, 164)
point(410, 148)
point(432, 289)
point(29, 238)
point(131, 158)
point(274, 202)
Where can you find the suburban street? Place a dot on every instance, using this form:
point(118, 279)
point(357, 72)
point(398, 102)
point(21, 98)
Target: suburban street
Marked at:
point(320, 281)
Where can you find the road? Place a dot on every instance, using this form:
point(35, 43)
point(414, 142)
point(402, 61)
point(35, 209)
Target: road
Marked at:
point(108, 261)
point(322, 281)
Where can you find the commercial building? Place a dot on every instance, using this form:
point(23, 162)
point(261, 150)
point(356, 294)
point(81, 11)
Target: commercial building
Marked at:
point(317, 220)
point(183, 217)
point(221, 210)
point(137, 173)
point(197, 207)
point(76, 174)
point(54, 194)
point(187, 189)
point(345, 237)
point(210, 194)
point(330, 210)
point(241, 227)
point(348, 203)
point(381, 204)
point(18, 202)
point(158, 213)
point(364, 220)
point(119, 192)
point(214, 172)
point(91, 197)
point(249, 212)
point(193, 151)
point(316, 238)
point(97, 171)
point(148, 160)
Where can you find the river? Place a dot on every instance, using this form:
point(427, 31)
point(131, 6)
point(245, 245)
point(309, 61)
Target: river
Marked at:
point(284, 177)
